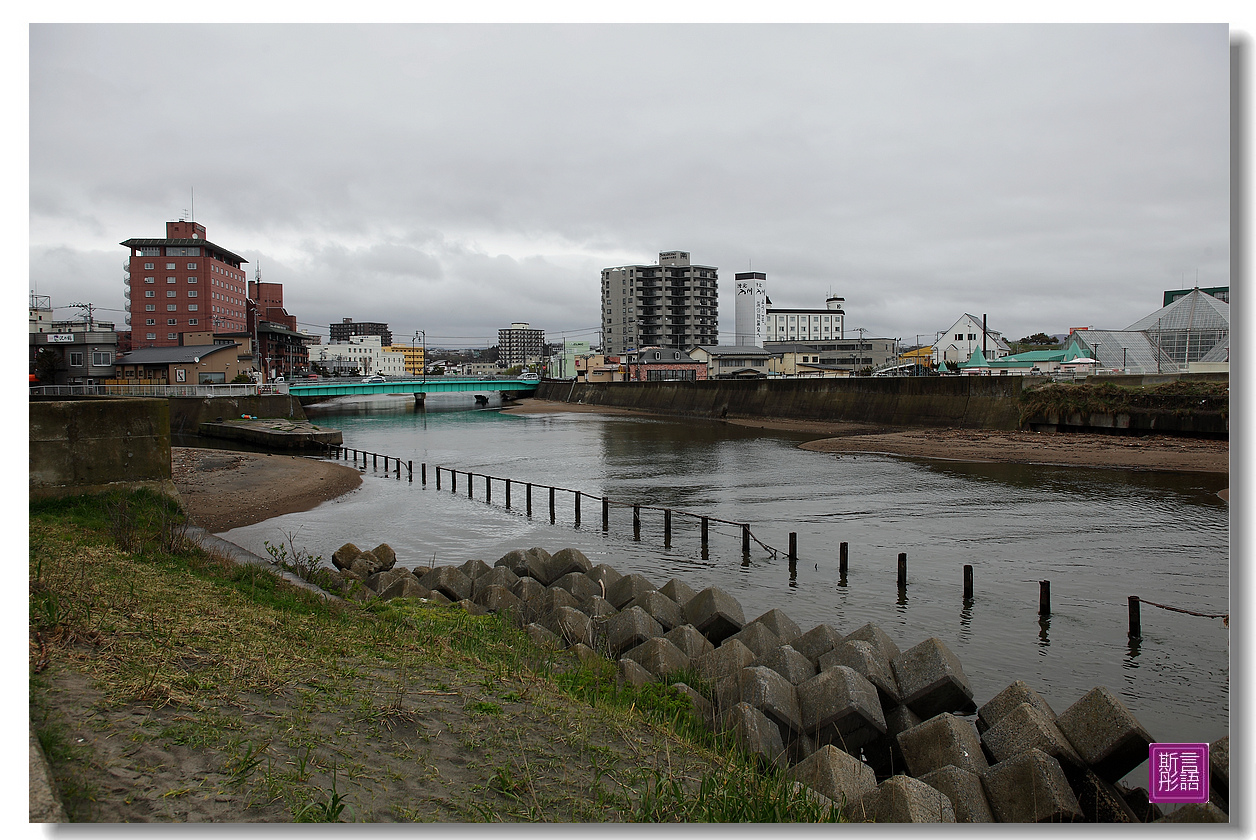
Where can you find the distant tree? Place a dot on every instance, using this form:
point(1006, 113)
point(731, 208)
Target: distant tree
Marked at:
point(47, 363)
point(1039, 340)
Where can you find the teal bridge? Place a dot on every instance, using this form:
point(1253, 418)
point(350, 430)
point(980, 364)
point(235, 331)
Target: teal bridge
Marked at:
point(419, 387)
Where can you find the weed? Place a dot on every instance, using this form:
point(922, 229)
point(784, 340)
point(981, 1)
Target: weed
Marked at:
point(324, 811)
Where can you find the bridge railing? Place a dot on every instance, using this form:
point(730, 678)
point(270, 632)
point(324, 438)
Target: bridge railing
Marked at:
point(236, 390)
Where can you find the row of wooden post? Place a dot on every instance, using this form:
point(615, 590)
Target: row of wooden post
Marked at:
point(345, 453)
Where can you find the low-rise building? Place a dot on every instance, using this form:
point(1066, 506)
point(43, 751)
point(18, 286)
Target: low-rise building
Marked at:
point(361, 355)
point(84, 356)
point(663, 364)
point(855, 355)
point(203, 364)
point(732, 361)
point(599, 367)
point(966, 335)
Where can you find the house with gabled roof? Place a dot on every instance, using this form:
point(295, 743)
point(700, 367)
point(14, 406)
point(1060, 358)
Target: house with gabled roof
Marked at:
point(966, 336)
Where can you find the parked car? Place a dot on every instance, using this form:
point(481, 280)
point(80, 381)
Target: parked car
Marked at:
point(375, 378)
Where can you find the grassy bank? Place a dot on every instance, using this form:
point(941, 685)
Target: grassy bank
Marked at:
point(169, 684)
point(1182, 397)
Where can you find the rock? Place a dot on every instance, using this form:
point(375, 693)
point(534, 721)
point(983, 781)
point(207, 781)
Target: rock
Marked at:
point(723, 663)
point(405, 586)
point(1030, 788)
point(343, 557)
point(773, 695)
point(579, 585)
point(932, 680)
point(1219, 772)
point(496, 576)
point(865, 659)
point(498, 599)
point(472, 607)
point(787, 662)
point(658, 656)
point(386, 556)
point(840, 707)
point(835, 774)
point(516, 560)
point(1027, 727)
point(586, 655)
point(571, 560)
point(604, 575)
point(528, 588)
point(758, 638)
point(570, 625)
point(540, 607)
point(902, 799)
point(543, 637)
point(1100, 801)
point(875, 636)
point(475, 568)
point(1105, 733)
point(883, 752)
point(1007, 700)
point(702, 707)
point(942, 740)
point(633, 673)
point(716, 614)
point(540, 565)
point(678, 591)
point(625, 630)
point(1138, 799)
point(597, 607)
point(817, 641)
point(781, 625)
point(964, 789)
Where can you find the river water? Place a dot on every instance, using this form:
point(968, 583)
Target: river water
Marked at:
point(1098, 535)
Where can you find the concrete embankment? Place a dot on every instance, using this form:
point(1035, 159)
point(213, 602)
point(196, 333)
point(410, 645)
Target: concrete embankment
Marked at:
point(968, 402)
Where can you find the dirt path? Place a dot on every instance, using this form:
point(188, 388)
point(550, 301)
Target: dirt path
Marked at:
point(222, 490)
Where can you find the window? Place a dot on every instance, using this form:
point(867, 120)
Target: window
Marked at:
point(151, 336)
point(76, 359)
point(150, 279)
point(191, 279)
point(191, 266)
point(172, 279)
point(192, 321)
point(151, 322)
point(192, 307)
point(170, 322)
point(172, 336)
point(170, 266)
point(150, 307)
point(972, 336)
point(959, 336)
point(191, 292)
point(102, 358)
point(172, 307)
point(150, 293)
point(172, 293)
point(150, 252)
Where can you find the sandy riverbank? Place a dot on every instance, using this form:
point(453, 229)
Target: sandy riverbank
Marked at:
point(222, 490)
point(1152, 452)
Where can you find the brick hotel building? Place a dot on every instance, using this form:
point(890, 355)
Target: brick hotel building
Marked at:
point(183, 283)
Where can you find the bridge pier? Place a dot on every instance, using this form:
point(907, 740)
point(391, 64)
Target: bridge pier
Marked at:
point(419, 396)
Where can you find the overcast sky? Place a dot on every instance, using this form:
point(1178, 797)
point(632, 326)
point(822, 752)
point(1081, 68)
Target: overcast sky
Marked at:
point(457, 178)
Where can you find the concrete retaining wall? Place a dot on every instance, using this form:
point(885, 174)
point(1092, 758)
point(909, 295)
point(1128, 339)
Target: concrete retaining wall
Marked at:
point(89, 445)
point(956, 402)
point(188, 413)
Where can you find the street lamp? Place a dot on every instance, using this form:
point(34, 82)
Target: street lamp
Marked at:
point(423, 365)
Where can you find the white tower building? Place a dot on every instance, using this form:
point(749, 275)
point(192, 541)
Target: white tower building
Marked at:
point(752, 308)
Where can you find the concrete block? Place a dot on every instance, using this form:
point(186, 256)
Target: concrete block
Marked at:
point(1007, 700)
point(586, 655)
point(687, 638)
point(781, 625)
point(597, 607)
point(758, 638)
point(539, 564)
point(543, 637)
point(380, 581)
point(661, 608)
point(516, 560)
point(865, 658)
point(932, 680)
point(1025, 728)
point(1196, 813)
point(902, 799)
point(1030, 788)
point(703, 709)
point(498, 598)
point(1106, 734)
point(625, 630)
point(723, 663)
point(405, 586)
point(579, 585)
point(472, 607)
point(773, 695)
point(604, 574)
point(528, 588)
point(1100, 801)
point(496, 576)
point(942, 740)
point(343, 557)
point(658, 656)
point(623, 591)
point(473, 568)
point(817, 641)
point(1219, 772)
point(840, 707)
point(715, 613)
point(878, 638)
point(883, 752)
point(633, 673)
point(448, 581)
point(540, 607)
point(964, 789)
point(799, 747)
point(571, 625)
point(835, 774)
point(787, 662)
point(678, 591)
point(570, 560)
point(1140, 803)
point(756, 734)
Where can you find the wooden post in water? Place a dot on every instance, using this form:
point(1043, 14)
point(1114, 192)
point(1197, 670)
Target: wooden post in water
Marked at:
point(1136, 621)
point(1044, 597)
point(438, 476)
point(793, 546)
point(745, 539)
point(422, 472)
point(508, 494)
point(470, 484)
point(551, 505)
point(606, 513)
point(636, 522)
point(453, 481)
point(902, 570)
point(488, 489)
point(667, 527)
point(705, 527)
point(843, 555)
point(374, 461)
point(968, 582)
point(577, 508)
point(529, 498)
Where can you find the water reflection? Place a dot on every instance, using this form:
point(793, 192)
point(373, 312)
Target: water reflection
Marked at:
point(1044, 632)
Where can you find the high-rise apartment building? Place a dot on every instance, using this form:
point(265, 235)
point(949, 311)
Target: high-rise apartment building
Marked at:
point(671, 304)
point(519, 345)
point(348, 327)
point(183, 283)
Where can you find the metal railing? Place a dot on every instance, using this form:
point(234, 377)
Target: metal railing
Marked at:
point(234, 390)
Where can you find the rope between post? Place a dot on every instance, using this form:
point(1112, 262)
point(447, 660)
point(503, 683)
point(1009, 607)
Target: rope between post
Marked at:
point(1225, 616)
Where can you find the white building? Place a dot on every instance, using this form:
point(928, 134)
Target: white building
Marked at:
point(361, 355)
point(826, 324)
point(752, 308)
point(966, 335)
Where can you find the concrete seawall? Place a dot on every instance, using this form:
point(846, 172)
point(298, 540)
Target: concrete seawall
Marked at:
point(968, 402)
